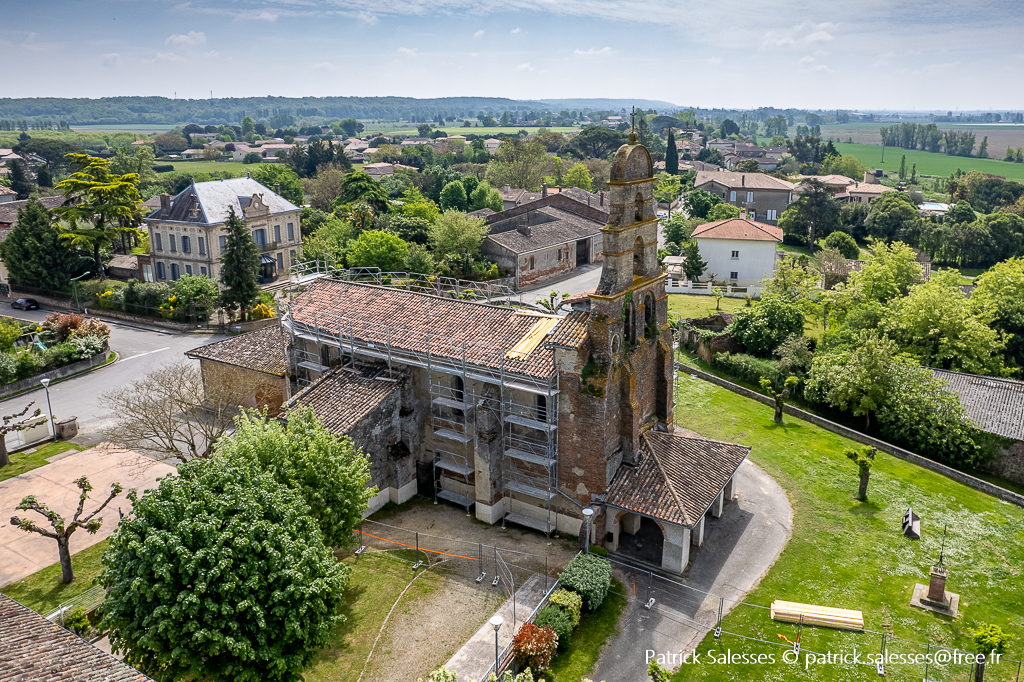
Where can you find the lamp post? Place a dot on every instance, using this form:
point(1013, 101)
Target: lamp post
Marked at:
point(587, 513)
point(74, 280)
point(496, 621)
point(49, 410)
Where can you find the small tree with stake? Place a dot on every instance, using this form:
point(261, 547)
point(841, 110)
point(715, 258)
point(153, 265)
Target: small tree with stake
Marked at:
point(778, 396)
point(62, 530)
point(863, 460)
point(10, 426)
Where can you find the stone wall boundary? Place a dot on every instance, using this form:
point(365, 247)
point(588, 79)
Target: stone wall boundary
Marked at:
point(73, 368)
point(854, 435)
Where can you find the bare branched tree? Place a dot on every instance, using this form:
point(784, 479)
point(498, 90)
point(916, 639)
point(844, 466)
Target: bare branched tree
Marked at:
point(172, 411)
point(10, 426)
point(62, 530)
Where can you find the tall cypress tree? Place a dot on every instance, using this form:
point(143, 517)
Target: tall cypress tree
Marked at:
point(671, 155)
point(239, 264)
point(33, 253)
point(20, 181)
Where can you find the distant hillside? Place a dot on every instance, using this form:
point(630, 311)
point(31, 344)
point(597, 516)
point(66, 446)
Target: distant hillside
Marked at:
point(598, 104)
point(161, 110)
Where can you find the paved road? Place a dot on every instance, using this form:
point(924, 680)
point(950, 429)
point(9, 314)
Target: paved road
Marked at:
point(738, 550)
point(139, 350)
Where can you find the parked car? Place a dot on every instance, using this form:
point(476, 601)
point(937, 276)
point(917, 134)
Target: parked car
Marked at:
point(662, 214)
point(26, 304)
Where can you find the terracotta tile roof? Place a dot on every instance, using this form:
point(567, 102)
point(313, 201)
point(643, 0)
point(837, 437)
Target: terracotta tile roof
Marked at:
point(4, 190)
point(124, 261)
point(35, 649)
point(742, 181)
point(831, 180)
point(368, 312)
point(262, 351)
point(867, 188)
point(571, 331)
point(739, 228)
point(675, 478)
point(9, 209)
point(996, 405)
point(566, 227)
point(342, 397)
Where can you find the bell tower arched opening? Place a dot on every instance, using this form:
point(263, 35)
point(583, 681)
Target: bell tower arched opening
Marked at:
point(638, 257)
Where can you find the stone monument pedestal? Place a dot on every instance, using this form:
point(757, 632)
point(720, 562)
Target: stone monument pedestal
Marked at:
point(934, 597)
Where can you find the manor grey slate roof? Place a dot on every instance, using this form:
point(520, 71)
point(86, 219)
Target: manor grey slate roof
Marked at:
point(36, 649)
point(996, 405)
point(218, 197)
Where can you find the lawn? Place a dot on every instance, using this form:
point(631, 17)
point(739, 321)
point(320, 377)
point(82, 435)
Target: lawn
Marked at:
point(43, 591)
point(589, 638)
point(377, 580)
point(701, 305)
point(929, 163)
point(27, 461)
point(850, 554)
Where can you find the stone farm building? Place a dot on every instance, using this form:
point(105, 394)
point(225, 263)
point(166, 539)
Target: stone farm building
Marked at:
point(519, 416)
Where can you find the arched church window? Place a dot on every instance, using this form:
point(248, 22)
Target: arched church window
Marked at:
point(638, 207)
point(638, 257)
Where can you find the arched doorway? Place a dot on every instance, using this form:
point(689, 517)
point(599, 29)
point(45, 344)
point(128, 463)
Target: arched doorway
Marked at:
point(641, 537)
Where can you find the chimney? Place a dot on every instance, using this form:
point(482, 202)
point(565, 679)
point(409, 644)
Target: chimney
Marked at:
point(277, 188)
point(743, 180)
point(743, 214)
point(194, 211)
point(523, 225)
point(508, 188)
point(602, 197)
point(165, 203)
point(544, 190)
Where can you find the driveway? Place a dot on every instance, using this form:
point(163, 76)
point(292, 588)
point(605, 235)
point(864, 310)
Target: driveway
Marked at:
point(23, 553)
point(738, 550)
point(139, 350)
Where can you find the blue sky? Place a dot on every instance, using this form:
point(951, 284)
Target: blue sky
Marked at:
point(869, 54)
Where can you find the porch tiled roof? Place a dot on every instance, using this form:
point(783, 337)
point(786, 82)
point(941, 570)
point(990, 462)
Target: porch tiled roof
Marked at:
point(675, 478)
point(261, 351)
point(571, 331)
point(342, 397)
point(418, 322)
point(36, 649)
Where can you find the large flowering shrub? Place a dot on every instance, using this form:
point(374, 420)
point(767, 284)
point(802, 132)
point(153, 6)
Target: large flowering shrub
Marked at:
point(535, 646)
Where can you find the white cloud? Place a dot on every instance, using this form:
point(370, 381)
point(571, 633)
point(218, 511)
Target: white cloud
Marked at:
point(324, 65)
point(479, 34)
point(516, 30)
point(190, 39)
point(368, 17)
point(806, 33)
point(810, 63)
point(112, 59)
point(211, 54)
point(165, 57)
point(410, 51)
point(594, 52)
point(714, 60)
point(525, 67)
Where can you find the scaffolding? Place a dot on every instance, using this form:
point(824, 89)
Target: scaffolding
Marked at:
point(525, 406)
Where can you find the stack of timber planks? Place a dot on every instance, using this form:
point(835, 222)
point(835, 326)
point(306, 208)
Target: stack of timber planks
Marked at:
point(843, 619)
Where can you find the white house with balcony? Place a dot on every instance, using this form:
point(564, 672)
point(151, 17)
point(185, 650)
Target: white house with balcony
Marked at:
point(740, 252)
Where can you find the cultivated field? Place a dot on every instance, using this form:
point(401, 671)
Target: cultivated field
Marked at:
point(1000, 136)
point(929, 163)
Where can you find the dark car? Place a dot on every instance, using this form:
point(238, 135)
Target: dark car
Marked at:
point(26, 304)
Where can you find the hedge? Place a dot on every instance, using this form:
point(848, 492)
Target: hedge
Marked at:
point(590, 576)
point(570, 602)
point(558, 620)
point(748, 368)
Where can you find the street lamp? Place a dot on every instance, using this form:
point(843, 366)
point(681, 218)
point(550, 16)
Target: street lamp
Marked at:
point(74, 281)
point(587, 513)
point(49, 410)
point(496, 621)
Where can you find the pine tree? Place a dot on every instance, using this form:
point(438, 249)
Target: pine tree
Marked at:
point(43, 177)
point(671, 155)
point(239, 265)
point(693, 266)
point(20, 181)
point(33, 253)
point(903, 167)
point(913, 175)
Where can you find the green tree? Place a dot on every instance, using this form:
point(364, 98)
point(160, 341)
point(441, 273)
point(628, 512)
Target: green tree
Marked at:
point(237, 556)
point(485, 197)
point(699, 203)
point(889, 271)
point(595, 142)
point(815, 210)
point(359, 186)
point(331, 242)
point(903, 167)
point(893, 216)
point(983, 149)
point(33, 253)
point(858, 380)
point(239, 265)
point(423, 129)
point(99, 206)
point(763, 327)
point(350, 126)
point(453, 197)
point(248, 126)
point(377, 249)
point(677, 228)
point(252, 157)
point(519, 163)
point(579, 176)
point(195, 290)
point(62, 529)
point(418, 260)
point(272, 174)
point(863, 460)
point(843, 243)
point(325, 470)
point(171, 142)
point(779, 396)
point(996, 298)
point(723, 212)
point(694, 266)
point(19, 179)
point(961, 212)
point(457, 234)
point(936, 323)
point(671, 155)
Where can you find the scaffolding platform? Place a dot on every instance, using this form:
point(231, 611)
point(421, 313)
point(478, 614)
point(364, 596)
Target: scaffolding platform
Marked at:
point(532, 491)
point(530, 522)
point(454, 467)
point(455, 498)
point(530, 423)
point(451, 434)
point(452, 403)
point(531, 457)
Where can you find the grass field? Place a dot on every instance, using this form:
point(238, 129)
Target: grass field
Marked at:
point(850, 554)
point(589, 637)
point(144, 128)
point(43, 591)
point(236, 168)
point(928, 163)
point(700, 305)
point(27, 461)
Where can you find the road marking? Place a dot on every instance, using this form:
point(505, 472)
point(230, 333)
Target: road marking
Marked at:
point(146, 353)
